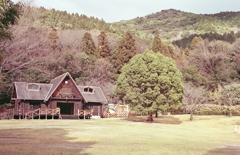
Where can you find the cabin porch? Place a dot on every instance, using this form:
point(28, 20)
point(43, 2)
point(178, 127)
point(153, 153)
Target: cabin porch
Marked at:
point(52, 114)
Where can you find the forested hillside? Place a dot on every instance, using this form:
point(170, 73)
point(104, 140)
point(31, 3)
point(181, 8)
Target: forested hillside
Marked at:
point(46, 43)
point(175, 25)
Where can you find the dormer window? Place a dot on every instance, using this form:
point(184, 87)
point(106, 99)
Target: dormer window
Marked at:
point(33, 87)
point(88, 90)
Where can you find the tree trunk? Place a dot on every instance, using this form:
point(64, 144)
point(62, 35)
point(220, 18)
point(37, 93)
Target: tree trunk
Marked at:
point(150, 118)
point(156, 114)
point(230, 111)
point(191, 115)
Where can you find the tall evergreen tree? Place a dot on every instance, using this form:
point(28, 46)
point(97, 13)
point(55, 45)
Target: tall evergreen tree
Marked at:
point(150, 82)
point(157, 43)
point(125, 51)
point(88, 45)
point(103, 47)
point(53, 36)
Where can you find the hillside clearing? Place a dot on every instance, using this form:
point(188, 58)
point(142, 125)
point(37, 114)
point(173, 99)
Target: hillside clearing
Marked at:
point(205, 135)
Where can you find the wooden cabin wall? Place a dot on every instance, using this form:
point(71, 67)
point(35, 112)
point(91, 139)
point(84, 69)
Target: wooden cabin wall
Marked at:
point(21, 107)
point(72, 89)
point(96, 108)
point(43, 106)
point(52, 105)
point(77, 105)
point(26, 106)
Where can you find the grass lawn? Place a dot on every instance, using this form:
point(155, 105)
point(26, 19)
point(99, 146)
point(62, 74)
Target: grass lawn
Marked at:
point(170, 135)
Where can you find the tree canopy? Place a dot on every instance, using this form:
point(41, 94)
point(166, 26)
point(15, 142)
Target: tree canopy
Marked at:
point(103, 46)
point(125, 51)
point(150, 82)
point(9, 13)
point(213, 61)
point(88, 45)
point(157, 43)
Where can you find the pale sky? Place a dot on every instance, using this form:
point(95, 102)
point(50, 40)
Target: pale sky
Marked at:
point(117, 10)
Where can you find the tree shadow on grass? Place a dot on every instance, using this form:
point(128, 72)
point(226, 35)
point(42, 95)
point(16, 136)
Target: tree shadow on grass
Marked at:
point(160, 119)
point(228, 150)
point(39, 142)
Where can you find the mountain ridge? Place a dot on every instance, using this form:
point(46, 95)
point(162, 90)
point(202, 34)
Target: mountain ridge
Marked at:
point(175, 24)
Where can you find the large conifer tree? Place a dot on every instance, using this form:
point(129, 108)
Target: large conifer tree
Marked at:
point(103, 47)
point(88, 45)
point(150, 82)
point(125, 51)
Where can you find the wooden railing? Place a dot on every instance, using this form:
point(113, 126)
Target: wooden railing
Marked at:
point(85, 114)
point(116, 115)
point(42, 112)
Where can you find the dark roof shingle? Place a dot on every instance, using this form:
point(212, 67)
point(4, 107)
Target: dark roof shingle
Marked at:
point(46, 90)
point(96, 96)
point(23, 93)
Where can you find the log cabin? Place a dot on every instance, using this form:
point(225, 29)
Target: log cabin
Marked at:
point(59, 97)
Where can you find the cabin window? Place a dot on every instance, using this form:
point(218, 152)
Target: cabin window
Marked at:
point(33, 87)
point(88, 90)
point(34, 105)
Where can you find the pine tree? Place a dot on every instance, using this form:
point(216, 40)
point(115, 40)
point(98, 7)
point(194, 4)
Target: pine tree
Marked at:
point(157, 43)
point(103, 47)
point(88, 45)
point(125, 51)
point(150, 82)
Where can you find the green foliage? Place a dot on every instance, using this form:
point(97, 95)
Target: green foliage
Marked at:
point(157, 43)
point(88, 45)
point(230, 96)
point(181, 24)
point(1, 55)
point(41, 17)
point(211, 109)
point(9, 14)
point(187, 40)
point(191, 75)
point(53, 36)
point(125, 51)
point(150, 82)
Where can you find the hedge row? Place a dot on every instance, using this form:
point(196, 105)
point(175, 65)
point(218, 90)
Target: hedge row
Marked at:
point(218, 110)
point(207, 112)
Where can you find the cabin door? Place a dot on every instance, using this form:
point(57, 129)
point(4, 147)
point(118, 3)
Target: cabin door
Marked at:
point(66, 108)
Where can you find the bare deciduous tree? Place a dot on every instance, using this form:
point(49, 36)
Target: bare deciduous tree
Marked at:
point(194, 99)
point(213, 61)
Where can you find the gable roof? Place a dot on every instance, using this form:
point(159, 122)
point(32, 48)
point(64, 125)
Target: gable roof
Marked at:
point(96, 96)
point(46, 90)
point(57, 81)
point(23, 93)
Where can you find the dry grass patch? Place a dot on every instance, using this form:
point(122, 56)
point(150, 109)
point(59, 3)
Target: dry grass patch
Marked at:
point(160, 119)
point(38, 139)
point(206, 135)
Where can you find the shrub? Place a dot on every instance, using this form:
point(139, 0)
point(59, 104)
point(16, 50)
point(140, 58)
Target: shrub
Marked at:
point(217, 110)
